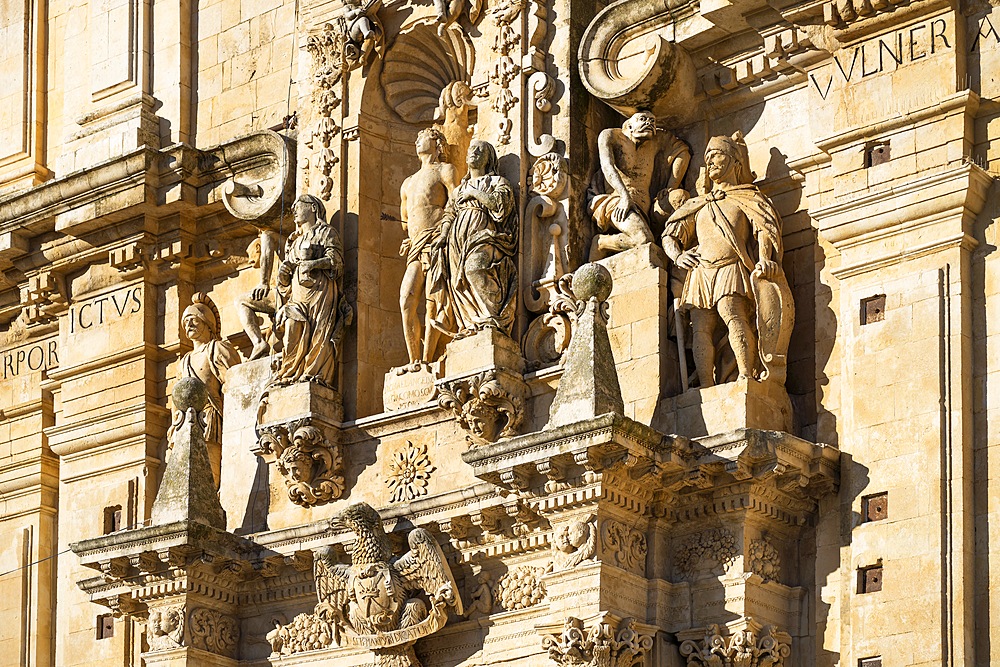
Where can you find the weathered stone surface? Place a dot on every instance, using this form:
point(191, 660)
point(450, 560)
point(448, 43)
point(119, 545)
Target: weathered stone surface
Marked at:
point(693, 525)
point(187, 491)
point(589, 384)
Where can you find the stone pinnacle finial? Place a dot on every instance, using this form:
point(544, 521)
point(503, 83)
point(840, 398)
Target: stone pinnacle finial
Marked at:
point(187, 490)
point(589, 385)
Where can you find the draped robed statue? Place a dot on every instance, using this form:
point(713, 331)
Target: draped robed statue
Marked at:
point(314, 312)
point(475, 267)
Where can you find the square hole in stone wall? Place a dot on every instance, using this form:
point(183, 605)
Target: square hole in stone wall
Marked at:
point(876, 153)
point(875, 661)
point(870, 579)
point(105, 626)
point(875, 507)
point(873, 309)
point(112, 519)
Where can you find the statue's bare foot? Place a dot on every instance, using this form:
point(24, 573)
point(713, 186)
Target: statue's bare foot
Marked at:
point(259, 350)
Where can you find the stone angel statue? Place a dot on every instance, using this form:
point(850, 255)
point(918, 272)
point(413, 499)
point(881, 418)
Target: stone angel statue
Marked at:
point(377, 601)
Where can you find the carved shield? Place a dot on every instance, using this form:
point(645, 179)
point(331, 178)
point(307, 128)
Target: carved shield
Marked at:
point(373, 595)
point(775, 319)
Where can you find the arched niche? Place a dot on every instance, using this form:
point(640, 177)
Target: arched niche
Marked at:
point(401, 96)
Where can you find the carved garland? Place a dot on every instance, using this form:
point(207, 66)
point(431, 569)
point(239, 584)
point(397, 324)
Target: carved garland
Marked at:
point(327, 50)
point(306, 632)
point(310, 465)
point(717, 545)
point(506, 68)
point(520, 588)
point(763, 559)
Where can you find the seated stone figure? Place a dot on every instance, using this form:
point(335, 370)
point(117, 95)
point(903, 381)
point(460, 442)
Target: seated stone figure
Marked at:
point(639, 181)
point(260, 301)
point(729, 242)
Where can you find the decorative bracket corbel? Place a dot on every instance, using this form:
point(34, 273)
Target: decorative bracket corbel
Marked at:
point(261, 172)
point(310, 464)
point(627, 63)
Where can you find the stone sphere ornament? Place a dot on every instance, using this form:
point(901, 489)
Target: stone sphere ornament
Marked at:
point(190, 392)
point(592, 280)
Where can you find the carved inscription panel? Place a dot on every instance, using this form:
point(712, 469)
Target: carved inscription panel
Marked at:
point(916, 61)
point(103, 325)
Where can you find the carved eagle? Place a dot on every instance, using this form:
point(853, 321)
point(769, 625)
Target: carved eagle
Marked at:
point(378, 598)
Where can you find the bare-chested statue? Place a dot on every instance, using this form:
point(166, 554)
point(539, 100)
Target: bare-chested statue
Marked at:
point(729, 242)
point(423, 197)
point(261, 300)
point(639, 182)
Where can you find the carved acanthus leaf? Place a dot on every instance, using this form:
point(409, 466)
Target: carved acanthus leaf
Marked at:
point(211, 630)
point(603, 645)
point(749, 647)
point(623, 546)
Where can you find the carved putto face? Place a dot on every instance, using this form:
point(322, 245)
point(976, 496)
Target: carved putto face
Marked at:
point(483, 420)
point(299, 467)
point(641, 126)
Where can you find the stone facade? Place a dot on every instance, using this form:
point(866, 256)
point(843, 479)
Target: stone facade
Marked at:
point(700, 346)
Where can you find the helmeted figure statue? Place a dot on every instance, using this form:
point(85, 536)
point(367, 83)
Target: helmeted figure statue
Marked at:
point(639, 182)
point(374, 602)
point(729, 241)
point(475, 270)
point(208, 361)
point(310, 322)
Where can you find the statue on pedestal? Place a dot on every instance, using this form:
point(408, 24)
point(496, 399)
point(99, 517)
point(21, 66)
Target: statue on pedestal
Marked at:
point(314, 313)
point(637, 161)
point(475, 270)
point(208, 361)
point(729, 242)
point(423, 198)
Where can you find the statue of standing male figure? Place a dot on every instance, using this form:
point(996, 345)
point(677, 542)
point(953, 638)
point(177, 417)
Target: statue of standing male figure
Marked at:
point(423, 198)
point(729, 242)
point(460, 248)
